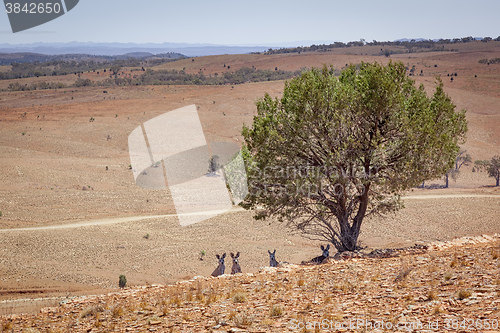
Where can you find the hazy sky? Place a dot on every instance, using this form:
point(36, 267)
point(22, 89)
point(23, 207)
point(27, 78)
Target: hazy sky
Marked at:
point(262, 21)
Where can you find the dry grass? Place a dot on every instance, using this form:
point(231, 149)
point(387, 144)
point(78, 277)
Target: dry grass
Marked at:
point(240, 297)
point(243, 320)
point(463, 294)
point(432, 295)
point(276, 311)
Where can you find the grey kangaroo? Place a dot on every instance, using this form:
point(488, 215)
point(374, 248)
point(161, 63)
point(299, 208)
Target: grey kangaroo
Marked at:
point(272, 258)
point(220, 269)
point(236, 264)
point(326, 254)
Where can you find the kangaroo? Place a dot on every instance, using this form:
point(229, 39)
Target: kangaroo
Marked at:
point(236, 265)
point(220, 269)
point(272, 258)
point(326, 254)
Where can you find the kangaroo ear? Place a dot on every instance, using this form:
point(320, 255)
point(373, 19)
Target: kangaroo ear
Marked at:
point(223, 256)
point(274, 251)
point(237, 255)
point(217, 256)
point(232, 255)
point(328, 247)
point(269, 252)
point(322, 248)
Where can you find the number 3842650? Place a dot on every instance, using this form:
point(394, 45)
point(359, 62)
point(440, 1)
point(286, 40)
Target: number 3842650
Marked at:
point(33, 8)
point(471, 324)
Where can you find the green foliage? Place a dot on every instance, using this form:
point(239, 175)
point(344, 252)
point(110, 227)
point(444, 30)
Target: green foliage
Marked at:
point(242, 75)
point(333, 150)
point(122, 281)
point(490, 61)
point(83, 82)
point(16, 86)
point(492, 167)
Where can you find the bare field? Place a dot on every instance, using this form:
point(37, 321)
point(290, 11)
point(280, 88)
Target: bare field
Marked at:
point(54, 163)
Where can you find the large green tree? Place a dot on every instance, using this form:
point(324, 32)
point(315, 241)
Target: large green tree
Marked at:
point(333, 150)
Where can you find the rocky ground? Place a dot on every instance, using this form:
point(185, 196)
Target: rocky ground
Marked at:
point(450, 286)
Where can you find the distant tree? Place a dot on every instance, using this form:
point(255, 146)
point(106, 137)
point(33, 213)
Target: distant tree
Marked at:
point(115, 69)
point(335, 149)
point(492, 167)
point(122, 281)
point(462, 159)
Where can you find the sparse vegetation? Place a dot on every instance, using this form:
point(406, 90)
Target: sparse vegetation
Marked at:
point(122, 281)
point(91, 311)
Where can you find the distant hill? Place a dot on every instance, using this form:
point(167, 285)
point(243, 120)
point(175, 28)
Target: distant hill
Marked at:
point(115, 49)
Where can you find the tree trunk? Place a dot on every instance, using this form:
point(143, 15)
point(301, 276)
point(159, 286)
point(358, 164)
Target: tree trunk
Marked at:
point(446, 186)
point(349, 234)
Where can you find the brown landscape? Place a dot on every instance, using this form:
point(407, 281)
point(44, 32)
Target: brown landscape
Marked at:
point(73, 220)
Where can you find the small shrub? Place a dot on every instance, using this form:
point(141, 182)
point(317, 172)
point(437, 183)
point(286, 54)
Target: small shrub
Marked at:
point(454, 263)
point(463, 294)
point(91, 311)
point(403, 274)
point(189, 296)
point(494, 253)
point(176, 301)
point(437, 310)
point(117, 311)
point(465, 263)
point(240, 297)
point(122, 281)
point(243, 319)
point(431, 295)
point(301, 282)
point(447, 276)
point(6, 326)
point(276, 311)
point(211, 298)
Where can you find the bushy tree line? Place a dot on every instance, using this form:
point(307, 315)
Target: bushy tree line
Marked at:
point(16, 86)
point(61, 67)
point(489, 61)
point(173, 77)
point(410, 44)
point(240, 76)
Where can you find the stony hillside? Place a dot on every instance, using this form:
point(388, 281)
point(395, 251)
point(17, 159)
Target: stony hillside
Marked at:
point(447, 286)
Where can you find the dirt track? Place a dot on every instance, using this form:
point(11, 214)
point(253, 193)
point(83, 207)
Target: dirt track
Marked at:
point(117, 220)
